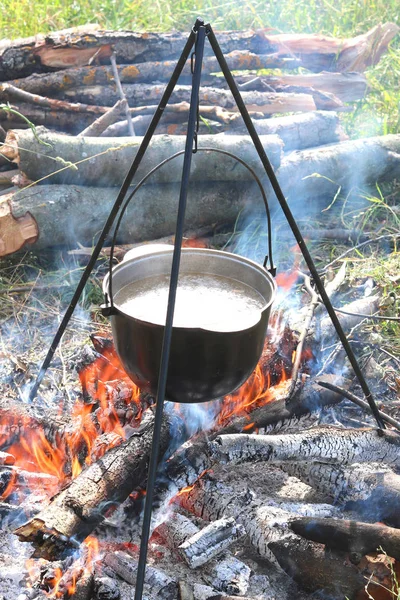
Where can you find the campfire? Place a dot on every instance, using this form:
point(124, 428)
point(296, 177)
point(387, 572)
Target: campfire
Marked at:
point(271, 491)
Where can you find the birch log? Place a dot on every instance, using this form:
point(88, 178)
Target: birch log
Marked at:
point(322, 172)
point(70, 214)
point(304, 130)
point(78, 46)
point(105, 161)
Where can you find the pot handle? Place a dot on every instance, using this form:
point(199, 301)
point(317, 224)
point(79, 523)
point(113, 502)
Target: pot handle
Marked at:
point(108, 306)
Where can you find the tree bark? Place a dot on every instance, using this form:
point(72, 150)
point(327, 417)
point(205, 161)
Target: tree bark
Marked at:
point(112, 157)
point(144, 93)
point(70, 214)
point(77, 47)
point(75, 511)
point(349, 536)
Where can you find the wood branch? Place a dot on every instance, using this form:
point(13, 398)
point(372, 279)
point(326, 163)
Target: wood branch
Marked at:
point(298, 131)
point(322, 172)
point(73, 215)
point(10, 92)
point(189, 236)
point(175, 530)
point(108, 160)
point(349, 536)
point(75, 512)
point(78, 47)
point(108, 118)
point(170, 126)
point(142, 94)
point(121, 93)
point(59, 81)
point(60, 120)
point(324, 444)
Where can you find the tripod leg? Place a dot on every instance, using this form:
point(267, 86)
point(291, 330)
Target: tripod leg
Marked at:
point(114, 211)
point(292, 223)
point(163, 373)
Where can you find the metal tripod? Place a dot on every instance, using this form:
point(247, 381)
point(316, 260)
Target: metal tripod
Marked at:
point(197, 38)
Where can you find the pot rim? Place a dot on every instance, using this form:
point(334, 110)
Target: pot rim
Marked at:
point(205, 251)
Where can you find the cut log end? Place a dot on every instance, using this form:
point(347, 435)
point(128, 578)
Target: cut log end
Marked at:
point(15, 232)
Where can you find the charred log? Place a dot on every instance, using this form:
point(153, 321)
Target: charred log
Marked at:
point(351, 537)
point(324, 444)
point(373, 490)
point(194, 457)
point(75, 511)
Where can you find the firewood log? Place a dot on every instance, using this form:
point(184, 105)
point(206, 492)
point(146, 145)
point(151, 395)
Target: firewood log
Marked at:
point(371, 489)
point(364, 306)
point(322, 172)
point(70, 214)
point(75, 511)
point(113, 157)
point(298, 131)
point(323, 444)
point(354, 537)
point(143, 93)
point(348, 87)
point(268, 528)
point(158, 584)
point(59, 81)
point(77, 47)
point(194, 458)
point(59, 120)
point(204, 545)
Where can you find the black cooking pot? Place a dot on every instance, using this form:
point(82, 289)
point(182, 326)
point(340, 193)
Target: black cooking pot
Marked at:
point(204, 364)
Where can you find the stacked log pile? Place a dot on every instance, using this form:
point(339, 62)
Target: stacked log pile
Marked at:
point(68, 82)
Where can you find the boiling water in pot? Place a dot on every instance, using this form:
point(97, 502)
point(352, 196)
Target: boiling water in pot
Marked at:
point(207, 301)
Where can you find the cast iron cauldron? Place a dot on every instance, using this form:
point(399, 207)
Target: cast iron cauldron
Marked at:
point(204, 364)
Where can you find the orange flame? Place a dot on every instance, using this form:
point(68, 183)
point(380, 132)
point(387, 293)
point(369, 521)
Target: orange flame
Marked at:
point(288, 279)
point(103, 381)
point(185, 490)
